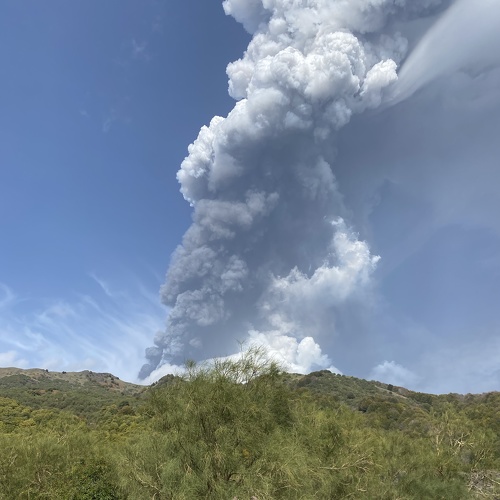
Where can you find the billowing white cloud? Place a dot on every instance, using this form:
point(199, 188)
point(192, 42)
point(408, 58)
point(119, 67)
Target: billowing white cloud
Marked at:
point(391, 372)
point(262, 248)
point(346, 271)
point(161, 371)
point(314, 162)
point(250, 13)
point(293, 355)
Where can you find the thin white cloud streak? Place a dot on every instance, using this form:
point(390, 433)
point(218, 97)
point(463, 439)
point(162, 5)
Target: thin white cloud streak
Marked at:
point(466, 37)
point(104, 286)
point(139, 50)
point(107, 121)
point(7, 297)
point(105, 332)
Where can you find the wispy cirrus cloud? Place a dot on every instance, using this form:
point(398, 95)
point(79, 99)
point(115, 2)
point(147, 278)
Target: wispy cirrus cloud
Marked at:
point(104, 331)
point(140, 50)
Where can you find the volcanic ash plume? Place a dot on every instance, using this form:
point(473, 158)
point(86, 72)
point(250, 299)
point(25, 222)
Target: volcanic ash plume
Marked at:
point(270, 256)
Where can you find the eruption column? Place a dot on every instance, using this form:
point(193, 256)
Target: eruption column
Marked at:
point(269, 256)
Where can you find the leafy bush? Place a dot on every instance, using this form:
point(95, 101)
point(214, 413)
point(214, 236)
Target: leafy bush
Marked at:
point(242, 428)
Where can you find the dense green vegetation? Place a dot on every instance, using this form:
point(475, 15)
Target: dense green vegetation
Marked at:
point(84, 394)
point(242, 430)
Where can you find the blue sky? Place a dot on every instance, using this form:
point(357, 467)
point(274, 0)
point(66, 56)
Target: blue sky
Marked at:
point(98, 107)
point(363, 239)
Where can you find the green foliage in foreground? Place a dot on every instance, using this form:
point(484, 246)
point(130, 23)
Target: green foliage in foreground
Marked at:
point(243, 429)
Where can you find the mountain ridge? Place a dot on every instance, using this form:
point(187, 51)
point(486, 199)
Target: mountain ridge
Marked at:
point(91, 435)
point(81, 377)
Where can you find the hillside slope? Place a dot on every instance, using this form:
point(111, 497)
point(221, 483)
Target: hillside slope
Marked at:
point(276, 436)
point(83, 393)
